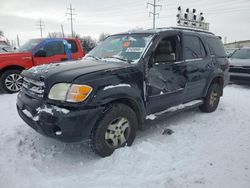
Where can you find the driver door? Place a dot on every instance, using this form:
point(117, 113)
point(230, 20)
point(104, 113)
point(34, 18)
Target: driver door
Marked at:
point(55, 52)
point(166, 75)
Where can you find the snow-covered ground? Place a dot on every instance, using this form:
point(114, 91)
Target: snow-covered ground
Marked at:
point(205, 150)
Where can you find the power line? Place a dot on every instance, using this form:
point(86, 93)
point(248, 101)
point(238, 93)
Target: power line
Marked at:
point(71, 14)
point(40, 25)
point(154, 5)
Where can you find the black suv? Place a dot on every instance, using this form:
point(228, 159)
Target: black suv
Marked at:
point(126, 79)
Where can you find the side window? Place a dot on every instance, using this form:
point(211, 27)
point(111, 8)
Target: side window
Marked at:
point(193, 48)
point(166, 50)
point(54, 48)
point(216, 47)
point(74, 48)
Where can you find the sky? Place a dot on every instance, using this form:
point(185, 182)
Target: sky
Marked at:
point(228, 18)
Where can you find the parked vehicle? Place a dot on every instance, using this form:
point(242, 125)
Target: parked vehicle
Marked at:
point(35, 52)
point(125, 80)
point(240, 66)
point(230, 51)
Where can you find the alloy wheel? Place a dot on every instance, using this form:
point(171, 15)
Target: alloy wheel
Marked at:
point(117, 132)
point(14, 82)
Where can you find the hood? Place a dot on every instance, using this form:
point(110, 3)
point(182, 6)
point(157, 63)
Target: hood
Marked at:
point(70, 70)
point(240, 62)
point(14, 55)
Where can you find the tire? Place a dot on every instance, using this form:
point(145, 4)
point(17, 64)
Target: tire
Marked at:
point(212, 99)
point(11, 81)
point(107, 134)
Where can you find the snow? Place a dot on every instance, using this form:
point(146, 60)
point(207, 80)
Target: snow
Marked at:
point(45, 109)
point(29, 115)
point(114, 86)
point(46, 67)
point(204, 150)
point(173, 109)
point(151, 116)
point(49, 109)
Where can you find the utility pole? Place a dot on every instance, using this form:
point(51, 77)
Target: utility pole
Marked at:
point(72, 14)
point(62, 30)
point(18, 41)
point(40, 26)
point(154, 5)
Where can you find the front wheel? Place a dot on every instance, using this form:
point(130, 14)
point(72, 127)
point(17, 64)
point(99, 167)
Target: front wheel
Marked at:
point(212, 99)
point(116, 129)
point(11, 81)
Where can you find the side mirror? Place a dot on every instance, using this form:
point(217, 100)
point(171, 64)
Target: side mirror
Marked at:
point(41, 53)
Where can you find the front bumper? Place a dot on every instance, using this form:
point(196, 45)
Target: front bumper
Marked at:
point(240, 77)
point(68, 125)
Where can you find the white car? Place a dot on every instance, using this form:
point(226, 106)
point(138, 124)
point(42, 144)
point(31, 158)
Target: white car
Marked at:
point(240, 66)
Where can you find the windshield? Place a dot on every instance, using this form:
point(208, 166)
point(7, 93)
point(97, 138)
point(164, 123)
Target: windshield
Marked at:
point(127, 48)
point(28, 46)
point(241, 54)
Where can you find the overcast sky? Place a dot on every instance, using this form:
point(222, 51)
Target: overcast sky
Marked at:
point(227, 18)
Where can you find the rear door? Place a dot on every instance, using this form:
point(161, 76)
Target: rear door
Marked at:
point(199, 65)
point(55, 52)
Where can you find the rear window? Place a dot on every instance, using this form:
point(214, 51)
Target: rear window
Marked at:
point(193, 47)
point(216, 47)
point(74, 48)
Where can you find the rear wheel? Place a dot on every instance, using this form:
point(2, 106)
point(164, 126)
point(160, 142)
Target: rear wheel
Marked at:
point(116, 129)
point(11, 81)
point(212, 98)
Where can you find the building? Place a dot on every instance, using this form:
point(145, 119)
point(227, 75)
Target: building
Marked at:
point(238, 44)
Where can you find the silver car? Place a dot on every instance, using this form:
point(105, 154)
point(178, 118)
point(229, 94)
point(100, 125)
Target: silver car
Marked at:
point(240, 66)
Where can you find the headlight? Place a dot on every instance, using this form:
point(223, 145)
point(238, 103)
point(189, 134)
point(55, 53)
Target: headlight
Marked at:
point(59, 91)
point(70, 93)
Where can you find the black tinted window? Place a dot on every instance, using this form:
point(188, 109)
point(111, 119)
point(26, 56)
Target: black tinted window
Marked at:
point(166, 50)
point(216, 47)
point(193, 48)
point(74, 48)
point(54, 48)
point(241, 54)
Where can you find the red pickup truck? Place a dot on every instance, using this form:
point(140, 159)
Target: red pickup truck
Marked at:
point(35, 52)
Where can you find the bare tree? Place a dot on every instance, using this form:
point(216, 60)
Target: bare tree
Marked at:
point(1, 33)
point(103, 36)
point(87, 42)
point(55, 35)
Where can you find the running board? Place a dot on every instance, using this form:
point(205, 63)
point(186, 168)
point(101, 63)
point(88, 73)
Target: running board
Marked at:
point(175, 109)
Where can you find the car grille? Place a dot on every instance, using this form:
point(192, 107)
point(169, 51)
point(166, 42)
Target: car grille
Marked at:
point(33, 87)
point(242, 69)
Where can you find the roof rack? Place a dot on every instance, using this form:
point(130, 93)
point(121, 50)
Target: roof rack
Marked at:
point(184, 28)
point(193, 29)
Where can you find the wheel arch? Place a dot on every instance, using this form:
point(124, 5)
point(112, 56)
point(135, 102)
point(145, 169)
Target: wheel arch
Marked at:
point(140, 113)
point(217, 79)
point(11, 67)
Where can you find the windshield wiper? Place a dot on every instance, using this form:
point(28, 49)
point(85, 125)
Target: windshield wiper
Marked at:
point(119, 58)
point(96, 58)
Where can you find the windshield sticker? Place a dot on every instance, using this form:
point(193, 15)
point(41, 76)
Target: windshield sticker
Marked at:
point(126, 44)
point(134, 49)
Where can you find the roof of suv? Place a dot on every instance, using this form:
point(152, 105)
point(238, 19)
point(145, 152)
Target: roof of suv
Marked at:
point(159, 30)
